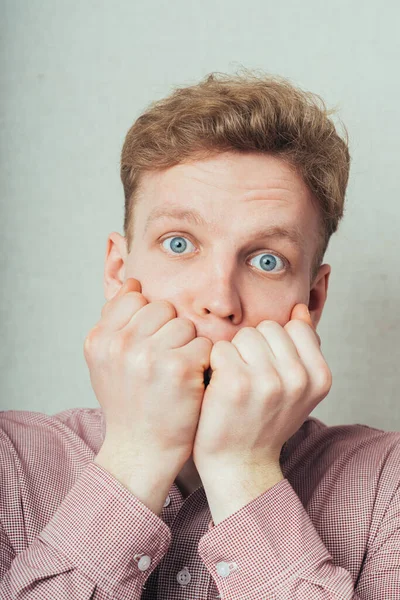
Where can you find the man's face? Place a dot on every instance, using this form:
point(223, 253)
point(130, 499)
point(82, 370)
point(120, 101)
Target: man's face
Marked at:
point(238, 267)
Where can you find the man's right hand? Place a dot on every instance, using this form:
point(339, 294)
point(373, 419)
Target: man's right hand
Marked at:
point(147, 371)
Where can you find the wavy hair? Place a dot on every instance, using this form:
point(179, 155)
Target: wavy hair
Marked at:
point(245, 112)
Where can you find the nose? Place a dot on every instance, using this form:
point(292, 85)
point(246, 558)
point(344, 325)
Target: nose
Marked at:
point(218, 304)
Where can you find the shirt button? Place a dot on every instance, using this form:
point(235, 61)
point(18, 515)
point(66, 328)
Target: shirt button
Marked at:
point(167, 501)
point(144, 563)
point(183, 576)
point(224, 568)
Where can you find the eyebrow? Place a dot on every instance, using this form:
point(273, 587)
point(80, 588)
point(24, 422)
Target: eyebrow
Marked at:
point(194, 217)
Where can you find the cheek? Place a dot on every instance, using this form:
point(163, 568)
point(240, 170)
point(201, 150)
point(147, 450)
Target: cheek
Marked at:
point(161, 288)
point(274, 307)
point(155, 284)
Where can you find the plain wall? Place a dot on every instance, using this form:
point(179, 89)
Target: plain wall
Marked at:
point(75, 76)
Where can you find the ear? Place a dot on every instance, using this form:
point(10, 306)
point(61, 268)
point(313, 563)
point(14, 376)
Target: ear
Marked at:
point(319, 293)
point(114, 264)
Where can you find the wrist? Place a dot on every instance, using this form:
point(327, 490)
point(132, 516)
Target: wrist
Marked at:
point(144, 476)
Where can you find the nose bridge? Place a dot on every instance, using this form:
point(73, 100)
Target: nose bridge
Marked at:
point(217, 290)
point(221, 268)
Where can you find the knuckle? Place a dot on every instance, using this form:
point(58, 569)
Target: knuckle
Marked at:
point(297, 379)
point(324, 379)
point(95, 349)
point(168, 307)
point(138, 297)
point(92, 340)
point(186, 325)
point(130, 301)
point(265, 325)
point(175, 367)
point(272, 386)
point(119, 344)
point(242, 333)
point(238, 386)
point(146, 360)
point(205, 341)
point(206, 346)
point(220, 345)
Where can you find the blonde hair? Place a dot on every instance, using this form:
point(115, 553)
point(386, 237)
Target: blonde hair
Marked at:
point(246, 112)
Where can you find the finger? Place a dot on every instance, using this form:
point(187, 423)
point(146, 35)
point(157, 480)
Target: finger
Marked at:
point(223, 355)
point(301, 312)
point(175, 333)
point(198, 352)
point(130, 285)
point(121, 313)
point(308, 348)
point(252, 347)
point(280, 343)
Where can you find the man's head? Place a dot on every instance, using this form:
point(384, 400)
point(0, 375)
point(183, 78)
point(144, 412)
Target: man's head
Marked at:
point(260, 167)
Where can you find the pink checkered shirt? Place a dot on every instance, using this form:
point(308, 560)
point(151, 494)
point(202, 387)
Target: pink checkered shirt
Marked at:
point(69, 530)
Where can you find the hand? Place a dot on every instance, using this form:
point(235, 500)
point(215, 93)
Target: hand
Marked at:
point(264, 385)
point(147, 371)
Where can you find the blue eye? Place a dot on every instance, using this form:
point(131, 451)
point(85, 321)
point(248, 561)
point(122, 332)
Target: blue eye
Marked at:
point(270, 261)
point(178, 244)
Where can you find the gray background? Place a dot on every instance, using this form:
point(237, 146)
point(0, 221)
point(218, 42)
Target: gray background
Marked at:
point(75, 75)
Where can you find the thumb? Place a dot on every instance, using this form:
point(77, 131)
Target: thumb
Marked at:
point(130, 285)
point(301, 312)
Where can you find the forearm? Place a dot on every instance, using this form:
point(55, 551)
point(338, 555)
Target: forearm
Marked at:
point(89, 545)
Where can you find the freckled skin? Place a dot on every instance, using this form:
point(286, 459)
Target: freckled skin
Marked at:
point(215, 282)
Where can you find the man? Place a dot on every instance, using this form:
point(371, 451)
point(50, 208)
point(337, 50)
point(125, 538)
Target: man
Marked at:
point(202, 476)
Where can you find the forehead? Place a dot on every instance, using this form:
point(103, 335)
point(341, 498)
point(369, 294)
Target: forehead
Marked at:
point(244, 173)
point(231, 191)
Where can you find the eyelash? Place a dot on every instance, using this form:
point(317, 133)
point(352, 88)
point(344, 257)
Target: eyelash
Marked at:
point(284, 260)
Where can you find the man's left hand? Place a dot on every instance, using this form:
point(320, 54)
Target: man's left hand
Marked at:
point(264, 385)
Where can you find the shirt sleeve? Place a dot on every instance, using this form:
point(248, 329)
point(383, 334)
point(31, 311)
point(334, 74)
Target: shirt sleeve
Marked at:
point(261, 552)
point(380, 576)
point(102, 543)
